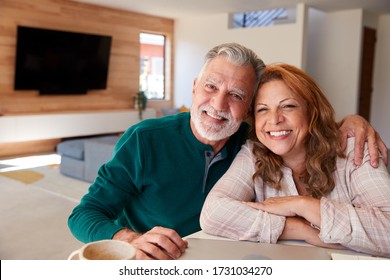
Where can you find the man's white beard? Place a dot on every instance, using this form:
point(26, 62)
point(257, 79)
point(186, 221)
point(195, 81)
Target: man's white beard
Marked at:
point(211, 131)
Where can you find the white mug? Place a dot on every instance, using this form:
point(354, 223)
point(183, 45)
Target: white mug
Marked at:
point(104, 250)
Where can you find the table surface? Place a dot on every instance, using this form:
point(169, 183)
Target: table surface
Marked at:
point(247, 250)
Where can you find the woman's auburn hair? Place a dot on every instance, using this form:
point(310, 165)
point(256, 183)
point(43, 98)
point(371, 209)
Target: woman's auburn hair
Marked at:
point(322, 143)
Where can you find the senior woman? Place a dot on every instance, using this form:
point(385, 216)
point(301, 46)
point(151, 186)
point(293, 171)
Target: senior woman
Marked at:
point(291, 180)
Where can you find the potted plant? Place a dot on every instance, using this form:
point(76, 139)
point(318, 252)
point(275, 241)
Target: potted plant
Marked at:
point(140, 101)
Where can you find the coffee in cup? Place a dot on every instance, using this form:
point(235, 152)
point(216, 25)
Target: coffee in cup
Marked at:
point(104, 250)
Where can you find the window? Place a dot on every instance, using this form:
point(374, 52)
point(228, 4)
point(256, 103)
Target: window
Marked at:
point(152, 65)
point(262, 18)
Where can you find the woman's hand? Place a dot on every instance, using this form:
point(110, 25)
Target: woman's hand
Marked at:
point(290, 206)
point(281, 205)
point(356, 126)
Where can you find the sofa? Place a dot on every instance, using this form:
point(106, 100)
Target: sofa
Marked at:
point(81, 158)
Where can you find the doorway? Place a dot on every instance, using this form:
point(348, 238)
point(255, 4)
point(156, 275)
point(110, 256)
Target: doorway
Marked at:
point(366, 74)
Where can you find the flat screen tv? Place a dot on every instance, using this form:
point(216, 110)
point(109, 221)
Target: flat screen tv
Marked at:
point(60, 62)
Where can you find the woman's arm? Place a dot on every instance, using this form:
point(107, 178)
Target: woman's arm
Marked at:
point(357, 213)
point(224, 214)
point(305, 207)
point(299, 229)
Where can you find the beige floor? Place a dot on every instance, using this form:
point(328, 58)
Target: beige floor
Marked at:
point(33, 217)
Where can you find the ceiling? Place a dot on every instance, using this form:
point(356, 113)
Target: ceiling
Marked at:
point(183, 8)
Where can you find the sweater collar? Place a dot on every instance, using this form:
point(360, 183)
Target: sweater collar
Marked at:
point(201, 146)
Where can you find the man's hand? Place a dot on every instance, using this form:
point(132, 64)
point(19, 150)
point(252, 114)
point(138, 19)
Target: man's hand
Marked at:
point(356, 126)
point(159, 243)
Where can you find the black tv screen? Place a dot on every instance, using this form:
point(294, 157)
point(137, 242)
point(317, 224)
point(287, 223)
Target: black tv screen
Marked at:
point(60, 62)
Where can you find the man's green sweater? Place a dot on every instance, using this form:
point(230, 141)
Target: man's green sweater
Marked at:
point(159, 175)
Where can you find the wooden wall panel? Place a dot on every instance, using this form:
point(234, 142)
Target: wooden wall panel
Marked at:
point(10, 150)
point(123, 78)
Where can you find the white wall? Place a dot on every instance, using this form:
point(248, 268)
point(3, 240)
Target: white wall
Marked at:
point(334, 48)
point(334, 51)
point(331, 55)
point(380, 112)
point(195, 36)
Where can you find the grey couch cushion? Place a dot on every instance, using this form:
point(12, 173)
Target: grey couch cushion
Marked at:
point(72, 148)
point(97, 152)
point(72, 167)
point(82, 158)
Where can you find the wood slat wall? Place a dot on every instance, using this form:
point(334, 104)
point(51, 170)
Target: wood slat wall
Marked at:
point(67, 15)
point(123, 78)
